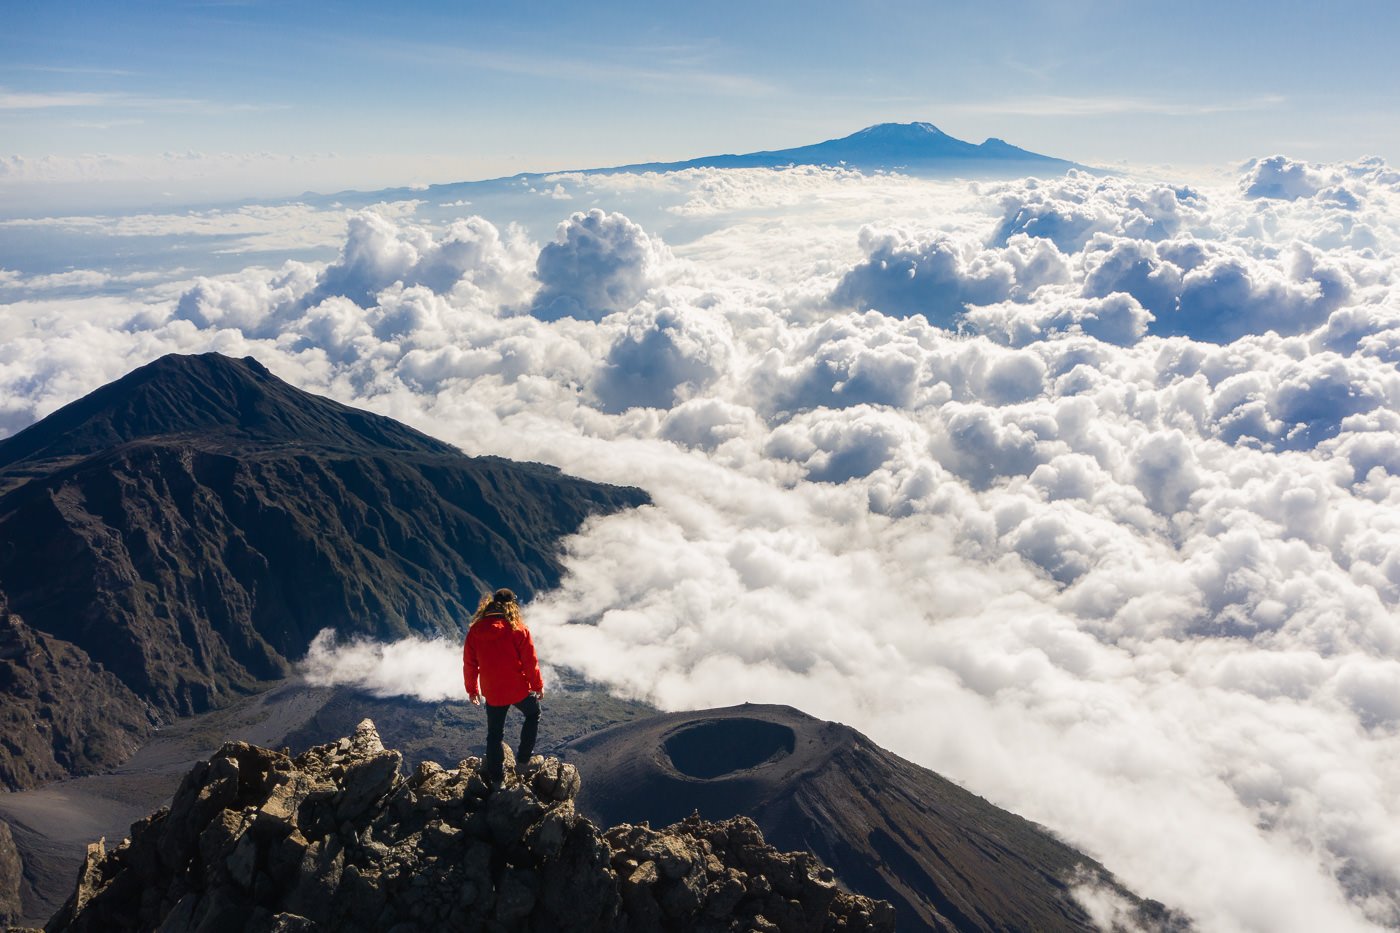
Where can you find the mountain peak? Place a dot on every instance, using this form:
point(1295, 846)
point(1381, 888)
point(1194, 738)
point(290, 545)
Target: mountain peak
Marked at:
point(917, 130)
point(918, 148)
point(214, 396)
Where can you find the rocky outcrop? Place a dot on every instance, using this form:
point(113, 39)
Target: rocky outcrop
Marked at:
point(255, 840)
point(192, 526)
point(60, 712)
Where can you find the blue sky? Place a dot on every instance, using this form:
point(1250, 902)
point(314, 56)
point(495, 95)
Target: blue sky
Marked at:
point(424, 92)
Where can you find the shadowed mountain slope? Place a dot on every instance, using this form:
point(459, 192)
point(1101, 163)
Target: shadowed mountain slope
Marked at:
point(192, 526)
point(946, 859)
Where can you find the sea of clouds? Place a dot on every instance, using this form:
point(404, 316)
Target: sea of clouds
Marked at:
point(1084, 492)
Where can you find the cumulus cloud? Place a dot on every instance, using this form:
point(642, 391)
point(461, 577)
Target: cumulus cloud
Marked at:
point(1104, 471)
point(598, 263)
point(378, 253)
point(1283, 178)
point(1116, 318)
point(1069, 211)
point(939, 277)
point(663, 353)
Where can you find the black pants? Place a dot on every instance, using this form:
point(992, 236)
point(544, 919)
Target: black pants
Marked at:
point(495, 732)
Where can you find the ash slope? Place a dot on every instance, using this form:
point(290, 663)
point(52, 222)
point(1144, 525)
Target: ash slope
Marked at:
point(192, 526)
point(946, 859)
point(335, 839)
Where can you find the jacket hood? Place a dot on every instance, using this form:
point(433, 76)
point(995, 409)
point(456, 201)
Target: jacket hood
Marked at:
point(491, 627)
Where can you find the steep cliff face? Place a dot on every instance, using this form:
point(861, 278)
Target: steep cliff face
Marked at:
point(335, 838)
point(192, 526)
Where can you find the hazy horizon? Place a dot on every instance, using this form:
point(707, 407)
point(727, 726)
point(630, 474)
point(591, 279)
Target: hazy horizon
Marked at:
point(192, 103)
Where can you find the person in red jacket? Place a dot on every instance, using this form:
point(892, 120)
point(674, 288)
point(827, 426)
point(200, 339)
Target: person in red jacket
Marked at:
point(499, 664)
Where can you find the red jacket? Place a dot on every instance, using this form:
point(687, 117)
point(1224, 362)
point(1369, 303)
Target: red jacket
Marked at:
point(503, 659)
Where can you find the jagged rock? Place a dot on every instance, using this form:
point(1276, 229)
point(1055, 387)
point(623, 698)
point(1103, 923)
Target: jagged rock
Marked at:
point(336, 839)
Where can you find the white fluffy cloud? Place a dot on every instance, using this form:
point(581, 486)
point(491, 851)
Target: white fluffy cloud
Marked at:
point(1097, 511)
point(598, 263)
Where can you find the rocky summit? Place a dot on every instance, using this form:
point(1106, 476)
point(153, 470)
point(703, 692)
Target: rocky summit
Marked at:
point(337, 839)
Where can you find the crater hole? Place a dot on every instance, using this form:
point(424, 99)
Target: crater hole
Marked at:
point(721, 746)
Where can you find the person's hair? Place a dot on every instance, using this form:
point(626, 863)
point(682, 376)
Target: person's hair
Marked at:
point(501, 603)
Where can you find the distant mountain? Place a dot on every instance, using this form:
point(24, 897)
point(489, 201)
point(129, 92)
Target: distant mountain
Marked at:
point(910, 148)
point(190, 527)
point(946, 858)
point(916, 148)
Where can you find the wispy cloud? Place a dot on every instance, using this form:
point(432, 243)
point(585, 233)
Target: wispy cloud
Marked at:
point(70, 70)
point(41, 100)
point(683, 72)
point(105, 124)
point(1053, 105)
point(50, 100)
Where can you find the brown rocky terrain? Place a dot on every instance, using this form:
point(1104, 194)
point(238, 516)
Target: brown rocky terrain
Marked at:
point(189, 529)
point(944, 857)
point(335, 838)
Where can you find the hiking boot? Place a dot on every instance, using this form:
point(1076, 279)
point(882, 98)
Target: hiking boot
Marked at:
point(531, 768)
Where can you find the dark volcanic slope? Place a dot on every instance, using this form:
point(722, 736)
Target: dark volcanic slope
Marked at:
point(192, 526)
point(947, 859)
